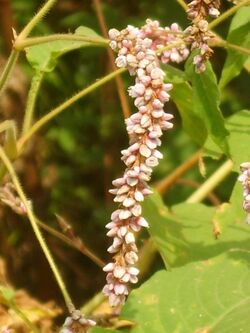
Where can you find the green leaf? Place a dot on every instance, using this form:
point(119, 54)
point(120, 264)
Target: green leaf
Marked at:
point(185, 234)
point(206, 101)
point(43, 57)
point(239, 137)
point(210, 296)
point(181, 94)
point(239, 34)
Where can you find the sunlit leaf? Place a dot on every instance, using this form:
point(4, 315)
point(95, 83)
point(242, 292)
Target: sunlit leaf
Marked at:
point(185, 233)
point(211, 296)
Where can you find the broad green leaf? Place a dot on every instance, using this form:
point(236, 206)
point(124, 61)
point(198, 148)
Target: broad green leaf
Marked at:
point(185, 234)
point(181, 94)
point(211, 296)
point(206, 102)
point(43, 57)
point(239, 33)
point(238, 126)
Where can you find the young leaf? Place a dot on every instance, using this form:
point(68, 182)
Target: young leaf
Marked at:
point(239, 33)
point(43, 57)
point(210, 296)
point(181, 95)
point(185, 234)
point(206, 101)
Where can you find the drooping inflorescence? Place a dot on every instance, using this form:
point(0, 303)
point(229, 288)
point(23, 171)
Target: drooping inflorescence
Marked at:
point(198, 34)
point(138, 51)
point(244, 178)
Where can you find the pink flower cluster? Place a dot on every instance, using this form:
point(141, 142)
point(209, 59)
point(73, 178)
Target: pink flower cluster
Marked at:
point(198, 34)
point(137, 51)
point(244, 178)
point(76, 323)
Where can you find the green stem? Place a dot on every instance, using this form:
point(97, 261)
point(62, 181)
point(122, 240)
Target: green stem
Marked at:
point(169, 47)
point(44, 120)
point(95, 301)
point(27, 42)
point(35, 227)
point(34, 88)
point(228, 13)
point(235, 47)
point(211, 183)
point(24, 33)
point(24, 318)
point(183, 4)
point(36, 19)
point(8, 69)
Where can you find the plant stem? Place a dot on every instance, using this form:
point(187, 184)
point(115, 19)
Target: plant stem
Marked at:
point(169, 47)
point(24, 33)
point(93, 303)
point(27, 42)
point(118, 80)
point(183, 4)
point(35, 227)
point(36, 19)
point(238, 48)
point(23, 316)
point(34, 89)
point(44, 120)
point(211, 183)
point(164, 184)
point(8, 68)
point(228, 13)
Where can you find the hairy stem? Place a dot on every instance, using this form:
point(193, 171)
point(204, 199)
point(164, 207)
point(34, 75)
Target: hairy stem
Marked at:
point(27, 42)
point(36, 229)
point(211, 183)
point(34, 89)
point(228, 13)
point(8, 69)
point(44, 120)
point(118, 80)
point(24, 33)
point(36, 19)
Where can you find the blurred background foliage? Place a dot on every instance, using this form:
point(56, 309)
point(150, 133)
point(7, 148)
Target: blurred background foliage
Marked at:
point(69, 166)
